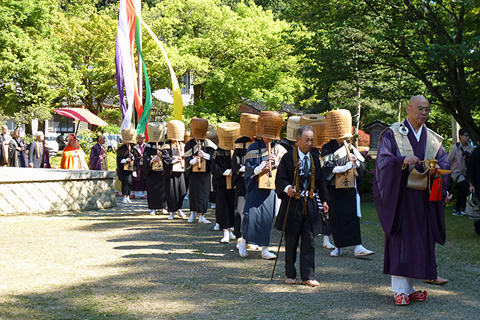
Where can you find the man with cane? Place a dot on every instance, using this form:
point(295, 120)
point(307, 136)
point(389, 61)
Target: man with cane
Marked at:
point(301, 187)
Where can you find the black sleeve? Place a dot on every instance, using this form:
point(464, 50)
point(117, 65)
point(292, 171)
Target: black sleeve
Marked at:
point(284, 177)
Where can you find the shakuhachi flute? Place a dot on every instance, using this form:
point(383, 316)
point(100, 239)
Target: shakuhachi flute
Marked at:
point(180, 154)
point(269, 148)
point(156, 143)
point(198, 154)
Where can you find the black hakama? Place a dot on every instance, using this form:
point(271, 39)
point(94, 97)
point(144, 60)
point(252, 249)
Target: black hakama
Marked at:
point(174, 181)
point(155, 180)
point(344, 222)
point(199, 182)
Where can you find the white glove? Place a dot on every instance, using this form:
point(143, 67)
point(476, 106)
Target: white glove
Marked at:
point(175, 160)
point(259, 169)
point(242, 169)
point(227, 172)
point(194, 160)
point(123, 161)
point(344, 168)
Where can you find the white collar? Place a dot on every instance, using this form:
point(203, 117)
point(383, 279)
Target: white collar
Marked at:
point(301, 154)
point(416, 134)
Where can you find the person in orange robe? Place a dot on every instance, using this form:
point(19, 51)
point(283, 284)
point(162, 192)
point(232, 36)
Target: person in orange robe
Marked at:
point(73, 155)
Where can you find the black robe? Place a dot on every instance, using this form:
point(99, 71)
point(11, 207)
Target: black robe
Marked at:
point(285, 176)
point(344, 222)
point(199, 182)
point(154, 180)
point(17, 158)
point(238, 181)
point(174, 181)
point(126, 177)
point(225, 200)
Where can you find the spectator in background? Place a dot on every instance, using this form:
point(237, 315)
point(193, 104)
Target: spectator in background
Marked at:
point(38, 154)
point(5, 138)
point(98, 155)
point(61, 141)
point(458, 156)
point(73, 155)
point(17, 151)
point(473, 174)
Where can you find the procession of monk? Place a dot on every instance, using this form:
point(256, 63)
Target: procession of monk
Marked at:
point(305, 185)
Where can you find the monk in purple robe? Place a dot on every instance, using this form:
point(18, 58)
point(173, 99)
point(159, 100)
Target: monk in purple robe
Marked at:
point(98, 155)
point(412, 224)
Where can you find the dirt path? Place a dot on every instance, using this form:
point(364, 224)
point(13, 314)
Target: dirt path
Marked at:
point(126, 264)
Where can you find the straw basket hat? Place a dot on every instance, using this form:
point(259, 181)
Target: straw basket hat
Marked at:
point(339, 124)
point(176, 130)
point(311, 118)
point(156, 132)
point(198, 128)
point(212, 134)
point(228, 132)
point(248, 125)
point(269, 125)
point(293, 124)
point(320, 133)
point(128, 135)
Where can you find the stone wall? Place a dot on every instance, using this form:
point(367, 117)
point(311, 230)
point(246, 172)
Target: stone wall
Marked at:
point(28, 191)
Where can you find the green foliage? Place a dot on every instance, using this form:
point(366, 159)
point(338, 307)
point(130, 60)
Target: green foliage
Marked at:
point(28, 59)
point(232, 55)
point(87, 140)
point(392, 50)
point(111, 129)
point(89, 44)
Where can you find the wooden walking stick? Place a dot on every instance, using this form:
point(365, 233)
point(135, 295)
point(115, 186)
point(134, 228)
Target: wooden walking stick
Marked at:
point(297, 166)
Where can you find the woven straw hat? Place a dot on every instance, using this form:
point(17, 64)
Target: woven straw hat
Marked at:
point(228, 132)
point(248, 125)
point(176, 130)
point(311, 118)
point(128, 135)
point(212, 134)
point(156, 132)
point(269, 125)
point(339, 124)
point(320, 133)
point(293, 124)
point(198, 128)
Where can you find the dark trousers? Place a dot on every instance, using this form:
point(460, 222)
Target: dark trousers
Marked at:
point(225, 206)
point(127, 181)
point(307, 251)
point(462, 195)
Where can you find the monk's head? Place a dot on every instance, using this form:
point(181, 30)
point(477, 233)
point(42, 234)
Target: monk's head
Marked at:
point(101, 139)
point(72, 142)
point(40, 136)
point(141, 138)
point(418, 110)
point(4, 129)
point(305, 138)
point(16, 134)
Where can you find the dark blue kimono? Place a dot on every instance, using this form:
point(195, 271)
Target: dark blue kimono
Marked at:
point(259, 208)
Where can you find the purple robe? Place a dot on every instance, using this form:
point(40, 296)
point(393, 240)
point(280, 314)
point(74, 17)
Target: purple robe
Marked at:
point(95, 161)
point(412, 224)
point(140, 182)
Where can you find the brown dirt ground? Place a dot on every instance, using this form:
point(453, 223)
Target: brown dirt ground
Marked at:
point(125, 264)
